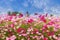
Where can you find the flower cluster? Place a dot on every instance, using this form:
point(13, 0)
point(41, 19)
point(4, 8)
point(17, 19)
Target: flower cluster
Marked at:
point(37, 27)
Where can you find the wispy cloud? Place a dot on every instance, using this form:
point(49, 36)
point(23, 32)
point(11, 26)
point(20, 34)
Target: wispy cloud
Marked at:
point(38, 3)
point(46, 6)
point(5, 10)
point(25, 4)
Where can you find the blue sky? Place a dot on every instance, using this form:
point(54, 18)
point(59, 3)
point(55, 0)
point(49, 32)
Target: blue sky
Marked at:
point(32, 6)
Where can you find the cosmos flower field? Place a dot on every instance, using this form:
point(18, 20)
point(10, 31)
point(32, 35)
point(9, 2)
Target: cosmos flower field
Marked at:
point(37, 27)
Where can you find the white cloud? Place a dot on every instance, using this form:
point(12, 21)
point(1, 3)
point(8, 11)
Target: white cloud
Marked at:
point(6, 7)
point(5, 10)
point(53, 10)
point(25, 4)
point(38, 3)
point(45, 4)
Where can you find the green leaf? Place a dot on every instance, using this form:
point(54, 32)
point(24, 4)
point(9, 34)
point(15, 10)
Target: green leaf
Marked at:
point(32, 38)
point(9, 22)
point(21, 37)
point(50, 28)
point(2, 24)
point(58, 32)
point(50, 38)
point(40, 31)
point(45, 34)
point(15, 33)
point(25, 26)
point(2, 39)
point(33, 34)
point(39, 26)
point(7, 33)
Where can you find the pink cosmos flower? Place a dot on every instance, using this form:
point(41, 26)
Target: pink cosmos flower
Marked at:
point(45, 38)
point(21, 30)
point(13, 14)
point(35, 31)
point(51, 23)
point(44, 27)
point(24, 34)
point(58, 38)
point(12, 25)
point(11, 38)
point(20, 15)
point(50, 33)
point(42, 18)
point(30, 20)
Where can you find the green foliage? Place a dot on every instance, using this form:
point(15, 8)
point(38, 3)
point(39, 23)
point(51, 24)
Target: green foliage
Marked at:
point(51, 28)
point(39, 26)
point(1, 39)
point(25, 26)
point(2, 24)
point(21, 37)
point(9, 22)
point(32, 38)
point(45, 34)
point(57, 32)
point(7, 34)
